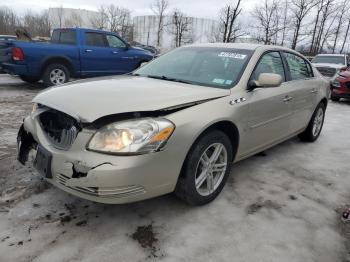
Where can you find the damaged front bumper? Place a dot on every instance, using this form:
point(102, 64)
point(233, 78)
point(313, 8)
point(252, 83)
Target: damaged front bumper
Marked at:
point(95, 176)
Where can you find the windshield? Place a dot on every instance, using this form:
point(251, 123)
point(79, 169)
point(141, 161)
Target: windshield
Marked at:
point(329, 60)
point(213, 67)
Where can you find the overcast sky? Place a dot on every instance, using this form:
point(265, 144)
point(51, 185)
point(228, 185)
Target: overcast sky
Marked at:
point(198, 8)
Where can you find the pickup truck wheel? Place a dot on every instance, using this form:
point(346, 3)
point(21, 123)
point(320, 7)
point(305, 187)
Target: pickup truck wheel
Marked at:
point(29, 79)
point(55, 74)
point(206, 169)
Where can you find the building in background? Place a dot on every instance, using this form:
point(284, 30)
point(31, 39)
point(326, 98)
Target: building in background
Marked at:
point(146, 27)
point(69, 17)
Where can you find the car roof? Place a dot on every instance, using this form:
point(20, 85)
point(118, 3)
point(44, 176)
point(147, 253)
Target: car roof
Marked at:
point(331, 55)
point(245, 46)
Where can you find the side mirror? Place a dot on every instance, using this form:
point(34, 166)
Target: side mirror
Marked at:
point(266, 80)
point(127, 46)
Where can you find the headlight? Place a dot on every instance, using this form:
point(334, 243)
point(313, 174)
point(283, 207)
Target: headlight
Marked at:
point(335, 83)
point(132, 137)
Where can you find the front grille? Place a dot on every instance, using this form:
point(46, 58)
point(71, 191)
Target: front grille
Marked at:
point(117, 192)
point(327, 71)
point(60, 129)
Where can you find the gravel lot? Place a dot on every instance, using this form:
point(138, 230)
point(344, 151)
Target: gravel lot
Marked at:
point(282, 205)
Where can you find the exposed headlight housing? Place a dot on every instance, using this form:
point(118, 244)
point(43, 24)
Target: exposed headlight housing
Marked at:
point(138, 136)
point(34, 108)
point(335, 83)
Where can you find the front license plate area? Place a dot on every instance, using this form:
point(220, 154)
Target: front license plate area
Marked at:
point(42, 162)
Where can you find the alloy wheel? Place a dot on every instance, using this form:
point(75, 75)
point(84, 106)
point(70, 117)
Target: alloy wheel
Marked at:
point(318, 122)
point(211, 169)
point(57, 76)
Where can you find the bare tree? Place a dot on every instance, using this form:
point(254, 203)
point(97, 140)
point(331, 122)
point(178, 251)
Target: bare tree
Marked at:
point(119, 19)
point(112, 13)
point(37, 24)
point(124, 22)
point(9, 21)
point(345, 37)
point(320, 6)
point(266, 16)
point(100, 20)
point(181, 28)
point(285, 22)
point(343, 6)
point(300, 9)
point(330, 31)
point(228, 21)
point(159, 8)
point(327, 10)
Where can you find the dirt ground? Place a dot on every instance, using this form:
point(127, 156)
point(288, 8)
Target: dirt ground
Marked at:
point(283, 205)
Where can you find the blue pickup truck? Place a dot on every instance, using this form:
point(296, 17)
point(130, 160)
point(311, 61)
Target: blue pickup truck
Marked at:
point(72, 53)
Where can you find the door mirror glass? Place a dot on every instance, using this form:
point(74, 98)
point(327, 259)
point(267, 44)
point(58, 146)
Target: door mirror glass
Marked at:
point(268, 80)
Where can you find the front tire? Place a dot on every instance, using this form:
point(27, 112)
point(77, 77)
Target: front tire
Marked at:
point(206, 169)
point(315, 125)
point(55, 74)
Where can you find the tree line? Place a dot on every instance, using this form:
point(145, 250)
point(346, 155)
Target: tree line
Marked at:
point(310, 26)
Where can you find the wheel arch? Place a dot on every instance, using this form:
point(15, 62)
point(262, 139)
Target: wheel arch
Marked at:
point(57, 60)
point(227, 127)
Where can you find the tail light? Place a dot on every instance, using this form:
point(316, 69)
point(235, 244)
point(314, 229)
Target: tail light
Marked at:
point(17, 54)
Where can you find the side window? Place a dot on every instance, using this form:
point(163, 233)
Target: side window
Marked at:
point(115, 42)
point(269, 63)
point(67, 37)
point(95, 39)
point(298, 67)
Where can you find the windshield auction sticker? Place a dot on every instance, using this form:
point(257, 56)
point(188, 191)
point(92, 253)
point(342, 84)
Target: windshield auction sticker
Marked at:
point(232, 55)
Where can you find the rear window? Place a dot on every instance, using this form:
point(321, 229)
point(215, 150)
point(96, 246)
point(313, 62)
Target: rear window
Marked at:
point(67, 37)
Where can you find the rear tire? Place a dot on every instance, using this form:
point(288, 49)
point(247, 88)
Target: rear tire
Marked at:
point(29, 79)
point(206, 169)
point(55, 74)
point(315, 125)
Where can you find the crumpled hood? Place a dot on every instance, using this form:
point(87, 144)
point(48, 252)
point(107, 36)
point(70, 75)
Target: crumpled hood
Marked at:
point(336, 66)
point(91, 100)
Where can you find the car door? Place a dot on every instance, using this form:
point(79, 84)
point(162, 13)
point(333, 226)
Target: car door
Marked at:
point(304, 88)
point(270, 109)
point(95, 55)
point(123, 58)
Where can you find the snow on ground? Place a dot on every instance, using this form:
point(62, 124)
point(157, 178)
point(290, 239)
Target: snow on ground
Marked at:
point(279, 206)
